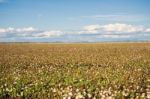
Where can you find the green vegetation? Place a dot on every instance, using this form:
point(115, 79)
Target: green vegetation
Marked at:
point(75, 71)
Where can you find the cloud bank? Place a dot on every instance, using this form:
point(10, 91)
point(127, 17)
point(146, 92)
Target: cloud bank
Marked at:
point(28, 32)
point(97, 32)
point(115, 28)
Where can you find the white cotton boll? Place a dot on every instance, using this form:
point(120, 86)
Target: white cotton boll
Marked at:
point(148, 95)
point(89, 96)
point(79, 96)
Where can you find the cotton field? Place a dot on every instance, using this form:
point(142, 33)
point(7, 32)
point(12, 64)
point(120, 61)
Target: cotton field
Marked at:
point(75, 71)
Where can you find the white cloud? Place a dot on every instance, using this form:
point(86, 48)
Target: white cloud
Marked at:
point(20, 30)
point(114, 36)
point(114, 28)
point(147, 30)
point(97, 31)
point(28, 29)
point(90, 29)
point(48, 34)
point(28, 32)
point(118, 27)
point(2, 30)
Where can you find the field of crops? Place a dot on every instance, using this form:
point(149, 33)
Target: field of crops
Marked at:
point(75, 71)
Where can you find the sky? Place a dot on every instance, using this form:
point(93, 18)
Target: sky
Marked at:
point(74, 20)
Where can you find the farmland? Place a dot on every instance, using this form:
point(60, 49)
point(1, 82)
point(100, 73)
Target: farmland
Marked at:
point(75, 71)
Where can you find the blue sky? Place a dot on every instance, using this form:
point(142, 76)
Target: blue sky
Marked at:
point(74, 20)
